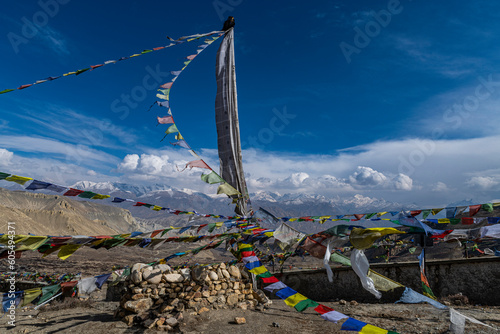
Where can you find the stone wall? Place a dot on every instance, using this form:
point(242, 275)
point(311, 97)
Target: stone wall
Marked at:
point(156, 297)
point(476, 278)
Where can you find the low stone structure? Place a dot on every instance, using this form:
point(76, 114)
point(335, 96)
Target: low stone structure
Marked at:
point(157, 296)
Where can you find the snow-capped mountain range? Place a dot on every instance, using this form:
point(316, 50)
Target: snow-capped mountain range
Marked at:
point(279, 204)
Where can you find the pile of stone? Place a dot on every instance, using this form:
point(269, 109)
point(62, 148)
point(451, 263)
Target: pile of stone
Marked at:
point(157, 297)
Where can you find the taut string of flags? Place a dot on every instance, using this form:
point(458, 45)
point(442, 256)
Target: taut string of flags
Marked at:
point(376, 216)
point(93, 67)
point(68, 191)
point(212, 177)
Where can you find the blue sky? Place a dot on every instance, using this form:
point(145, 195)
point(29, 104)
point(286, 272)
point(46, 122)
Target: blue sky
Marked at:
point(386, 99)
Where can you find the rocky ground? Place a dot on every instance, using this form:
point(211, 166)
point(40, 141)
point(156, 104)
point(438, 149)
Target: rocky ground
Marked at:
point(98, 317)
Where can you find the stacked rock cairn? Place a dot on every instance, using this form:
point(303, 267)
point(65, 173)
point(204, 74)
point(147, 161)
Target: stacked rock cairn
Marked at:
point(158, 297)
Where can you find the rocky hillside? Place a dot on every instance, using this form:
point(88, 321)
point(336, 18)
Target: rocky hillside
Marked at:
point(41, 214)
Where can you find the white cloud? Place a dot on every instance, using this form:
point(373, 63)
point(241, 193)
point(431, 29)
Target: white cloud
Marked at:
point(5, 157)
point(403, 182)
point(297, 179)
point(440, 186)
point(366, 176)
point(407, 171)
point(129, 163)
point(74, 153)
point(482, 182)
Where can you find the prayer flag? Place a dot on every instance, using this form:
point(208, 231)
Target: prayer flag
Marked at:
point(30, 295)
point(226, 188)
point(87, 194)
point(172, 129)
point(73, 192)
point(412, 297)
point(56, 188)
point(181, 143)
point(364, 238)
point(101, 279)
point(354, 325)
point(211, 178)
point(66, 251)
point(35, 185)
point(199, 164)
point(48, 292)
point(165, 120)
point(275, 286)
point(426, 288)
point(473, 209)
point(11, 298)
point(18, 179)
point(99, 196)
point(306, 303)
point(333, 316)
point(258, 270)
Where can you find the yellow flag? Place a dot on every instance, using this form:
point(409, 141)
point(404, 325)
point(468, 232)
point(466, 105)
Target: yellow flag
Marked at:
point(30, 295)
point(370, 329)
point(99, 196)
point(364, 238)
point(18, 179)
point(436, 211)
point(383, 283)
point(226, 188)
point(31, 243)
point(66, 251)
point(4, 239)
point(258, 270)
point(51, 250)
point(295, 299)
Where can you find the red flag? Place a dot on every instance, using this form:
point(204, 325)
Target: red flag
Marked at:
point(167, 85)
point(73, 192)
point(359, 215)
point(271, 279)
point(467, 221)
point(473, 209)
point(198, 163)
point(415, 212)
point(155, 233)
point(322, 309)
point(165, 120)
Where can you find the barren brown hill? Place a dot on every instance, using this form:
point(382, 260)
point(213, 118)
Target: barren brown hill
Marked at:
point(42, 214)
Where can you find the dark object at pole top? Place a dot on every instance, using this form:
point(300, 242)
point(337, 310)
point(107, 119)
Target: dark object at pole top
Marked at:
point(228, 24)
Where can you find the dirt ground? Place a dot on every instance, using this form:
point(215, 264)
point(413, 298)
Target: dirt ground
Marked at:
point(98, 317)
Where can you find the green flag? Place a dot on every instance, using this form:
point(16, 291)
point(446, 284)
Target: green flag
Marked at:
point(172, 129)
point(49, 292)
point(211, 178)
